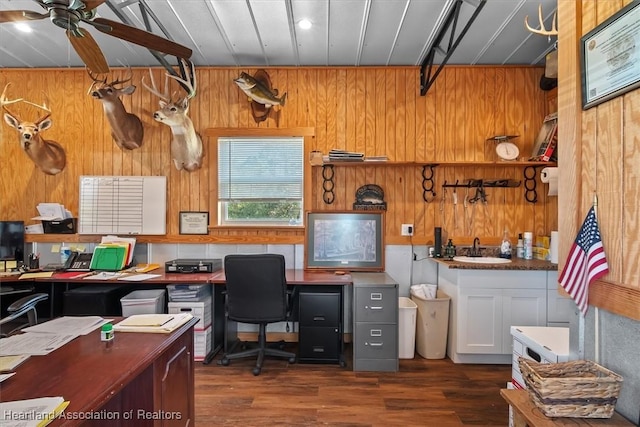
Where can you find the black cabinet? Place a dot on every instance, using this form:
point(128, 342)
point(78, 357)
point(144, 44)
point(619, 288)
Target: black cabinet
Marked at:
point(320, 338)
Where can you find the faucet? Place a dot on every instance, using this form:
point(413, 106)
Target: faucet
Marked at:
point(475, 250)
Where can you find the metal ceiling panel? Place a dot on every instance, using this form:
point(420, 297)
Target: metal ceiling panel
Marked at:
point(256, 33)
point(417, 28)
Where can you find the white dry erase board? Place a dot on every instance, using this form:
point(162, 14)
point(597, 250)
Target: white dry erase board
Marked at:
point(123, 204)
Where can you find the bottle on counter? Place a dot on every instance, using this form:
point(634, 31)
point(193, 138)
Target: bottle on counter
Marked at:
point(520, 247)
point(528, 245)
point(450, 250)
point(505, 246)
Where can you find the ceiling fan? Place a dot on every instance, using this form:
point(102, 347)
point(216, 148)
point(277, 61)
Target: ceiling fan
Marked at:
point(69, 14)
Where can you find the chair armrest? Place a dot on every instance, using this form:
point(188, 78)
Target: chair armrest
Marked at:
point(25, 303)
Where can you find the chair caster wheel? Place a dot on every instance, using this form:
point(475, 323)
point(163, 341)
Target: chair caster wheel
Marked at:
point(256, 371)
point(224, 362)
point(292, 360)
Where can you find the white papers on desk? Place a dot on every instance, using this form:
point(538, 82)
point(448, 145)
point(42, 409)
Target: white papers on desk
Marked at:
point(137, 277)
point(78, 325)
point(33, 343)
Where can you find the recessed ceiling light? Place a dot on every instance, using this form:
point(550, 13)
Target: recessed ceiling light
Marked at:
point(23, 27)
point(305, 24)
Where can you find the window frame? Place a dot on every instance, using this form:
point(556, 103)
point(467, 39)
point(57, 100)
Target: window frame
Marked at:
point(306, 133)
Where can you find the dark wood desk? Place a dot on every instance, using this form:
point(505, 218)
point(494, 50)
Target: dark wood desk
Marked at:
point(525, 413)
point(140, 377)
point(310, 280)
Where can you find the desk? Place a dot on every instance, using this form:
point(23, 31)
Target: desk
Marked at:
point(525, 413)
point(149, 374)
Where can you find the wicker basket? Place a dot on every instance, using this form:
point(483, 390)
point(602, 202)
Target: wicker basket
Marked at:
point(578, 389)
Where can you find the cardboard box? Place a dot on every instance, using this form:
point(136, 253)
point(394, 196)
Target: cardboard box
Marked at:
point(200, 309)
point(543, 242)
point(201, 344)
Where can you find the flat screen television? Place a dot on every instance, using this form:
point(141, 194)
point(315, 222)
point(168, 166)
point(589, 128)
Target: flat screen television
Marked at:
point(12, 240)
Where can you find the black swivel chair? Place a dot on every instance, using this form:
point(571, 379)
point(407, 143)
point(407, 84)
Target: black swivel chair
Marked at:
point(256, 292)
point(25, 306)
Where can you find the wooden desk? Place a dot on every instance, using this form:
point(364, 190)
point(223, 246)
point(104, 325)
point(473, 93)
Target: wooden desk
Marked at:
point(140, 377)
point(525, 413)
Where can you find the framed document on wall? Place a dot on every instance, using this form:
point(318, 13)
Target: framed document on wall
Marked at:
point(194, 222)
point(610, 57)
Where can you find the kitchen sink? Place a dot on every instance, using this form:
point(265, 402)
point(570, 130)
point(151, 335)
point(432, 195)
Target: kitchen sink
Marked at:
point(481, 260)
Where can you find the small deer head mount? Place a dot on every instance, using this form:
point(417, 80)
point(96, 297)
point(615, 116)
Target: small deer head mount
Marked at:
point(49, 156)
point(126, 128)
point(186, 145)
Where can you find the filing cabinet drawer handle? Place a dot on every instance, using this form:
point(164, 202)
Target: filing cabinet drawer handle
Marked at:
point(376, 307)
point(375, 332)
point(318, 349)
point(374, 344)
point(318, 318)
point(376, 296)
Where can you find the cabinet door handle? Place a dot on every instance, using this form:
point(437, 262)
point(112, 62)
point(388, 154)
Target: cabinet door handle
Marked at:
point(318, 318)
point(318, 349)
point(373, 307)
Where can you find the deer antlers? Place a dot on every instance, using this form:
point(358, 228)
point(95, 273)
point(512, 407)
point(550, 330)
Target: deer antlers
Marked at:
point(188, 83)
point(542, 31)
point(4, 101)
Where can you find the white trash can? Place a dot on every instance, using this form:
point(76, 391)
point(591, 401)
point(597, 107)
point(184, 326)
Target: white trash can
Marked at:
point(406, 328)
point(432, 325)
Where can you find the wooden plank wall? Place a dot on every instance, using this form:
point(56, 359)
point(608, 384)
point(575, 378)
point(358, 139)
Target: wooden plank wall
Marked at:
point(600, 154)
point(378, 111)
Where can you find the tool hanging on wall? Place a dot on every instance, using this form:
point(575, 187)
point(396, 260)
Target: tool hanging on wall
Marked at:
point(455, 209)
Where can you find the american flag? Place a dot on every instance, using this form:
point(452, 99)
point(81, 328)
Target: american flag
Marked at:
point(586, 262)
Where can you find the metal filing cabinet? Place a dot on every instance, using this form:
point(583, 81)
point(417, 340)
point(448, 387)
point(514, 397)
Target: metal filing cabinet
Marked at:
point(320, 335)
point(375, 319)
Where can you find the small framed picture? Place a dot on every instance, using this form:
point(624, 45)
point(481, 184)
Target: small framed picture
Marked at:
point(194, 222)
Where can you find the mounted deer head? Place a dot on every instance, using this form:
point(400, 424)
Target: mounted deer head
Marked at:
point(542, 31)
point(126, 128)
point(186, 145)
point(49, 156)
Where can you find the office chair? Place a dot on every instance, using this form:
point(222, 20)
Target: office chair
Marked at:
point(19, 308)
point(256, 293)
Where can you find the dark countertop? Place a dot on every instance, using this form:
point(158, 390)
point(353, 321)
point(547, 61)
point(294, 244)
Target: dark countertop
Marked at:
point(515, 264)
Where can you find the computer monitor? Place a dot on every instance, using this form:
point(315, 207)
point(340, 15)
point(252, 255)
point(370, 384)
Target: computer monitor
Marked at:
point(12, 240)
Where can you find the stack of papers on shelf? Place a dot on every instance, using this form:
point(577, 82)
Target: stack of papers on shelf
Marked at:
point(52, 211)
point(153, 323)
point(342, 155)
point(31, 412)
point(184, 292)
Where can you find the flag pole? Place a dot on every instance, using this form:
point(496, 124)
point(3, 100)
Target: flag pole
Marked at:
point(596, 328)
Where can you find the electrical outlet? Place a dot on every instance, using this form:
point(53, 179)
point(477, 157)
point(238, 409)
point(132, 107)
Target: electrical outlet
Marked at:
point(406, 230)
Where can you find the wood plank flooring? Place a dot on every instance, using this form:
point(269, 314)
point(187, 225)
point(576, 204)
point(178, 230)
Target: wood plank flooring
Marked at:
point(423, 393)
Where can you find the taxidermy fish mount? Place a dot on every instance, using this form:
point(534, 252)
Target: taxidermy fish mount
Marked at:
point(261, 94)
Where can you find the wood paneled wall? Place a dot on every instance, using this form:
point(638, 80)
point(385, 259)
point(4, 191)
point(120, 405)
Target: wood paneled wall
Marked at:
point(600, 154)
point(378, 111)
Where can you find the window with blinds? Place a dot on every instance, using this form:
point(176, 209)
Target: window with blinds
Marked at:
point(260, 180)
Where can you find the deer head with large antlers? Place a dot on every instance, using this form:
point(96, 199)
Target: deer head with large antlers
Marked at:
point(186, 145)
point(48, 155)
point(126, 128)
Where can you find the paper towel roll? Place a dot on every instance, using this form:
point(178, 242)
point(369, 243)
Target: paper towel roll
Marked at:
point(550, 176)
point(553, 248)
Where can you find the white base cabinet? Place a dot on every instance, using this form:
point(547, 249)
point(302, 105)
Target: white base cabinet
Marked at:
point(484, 306)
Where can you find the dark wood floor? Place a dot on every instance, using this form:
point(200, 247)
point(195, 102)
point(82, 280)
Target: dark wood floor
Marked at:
point(423, 393)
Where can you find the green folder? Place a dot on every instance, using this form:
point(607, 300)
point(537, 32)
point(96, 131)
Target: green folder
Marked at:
point(108, 258)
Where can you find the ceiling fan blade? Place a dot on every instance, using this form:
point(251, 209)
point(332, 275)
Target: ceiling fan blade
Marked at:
point(141, 37)
point(92, 4)
point(21, 15)
point(89, 51)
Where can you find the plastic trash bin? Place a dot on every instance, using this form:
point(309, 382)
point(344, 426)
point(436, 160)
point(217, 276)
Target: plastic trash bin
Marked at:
point(144, 301)
point(432, 325)
point(406, 328)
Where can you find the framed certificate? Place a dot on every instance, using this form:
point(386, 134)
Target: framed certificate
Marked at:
point(610, 57)
point(194, 222)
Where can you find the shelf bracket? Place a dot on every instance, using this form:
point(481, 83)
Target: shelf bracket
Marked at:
point(447, 26)
point(428, 193)
point(328, 184)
